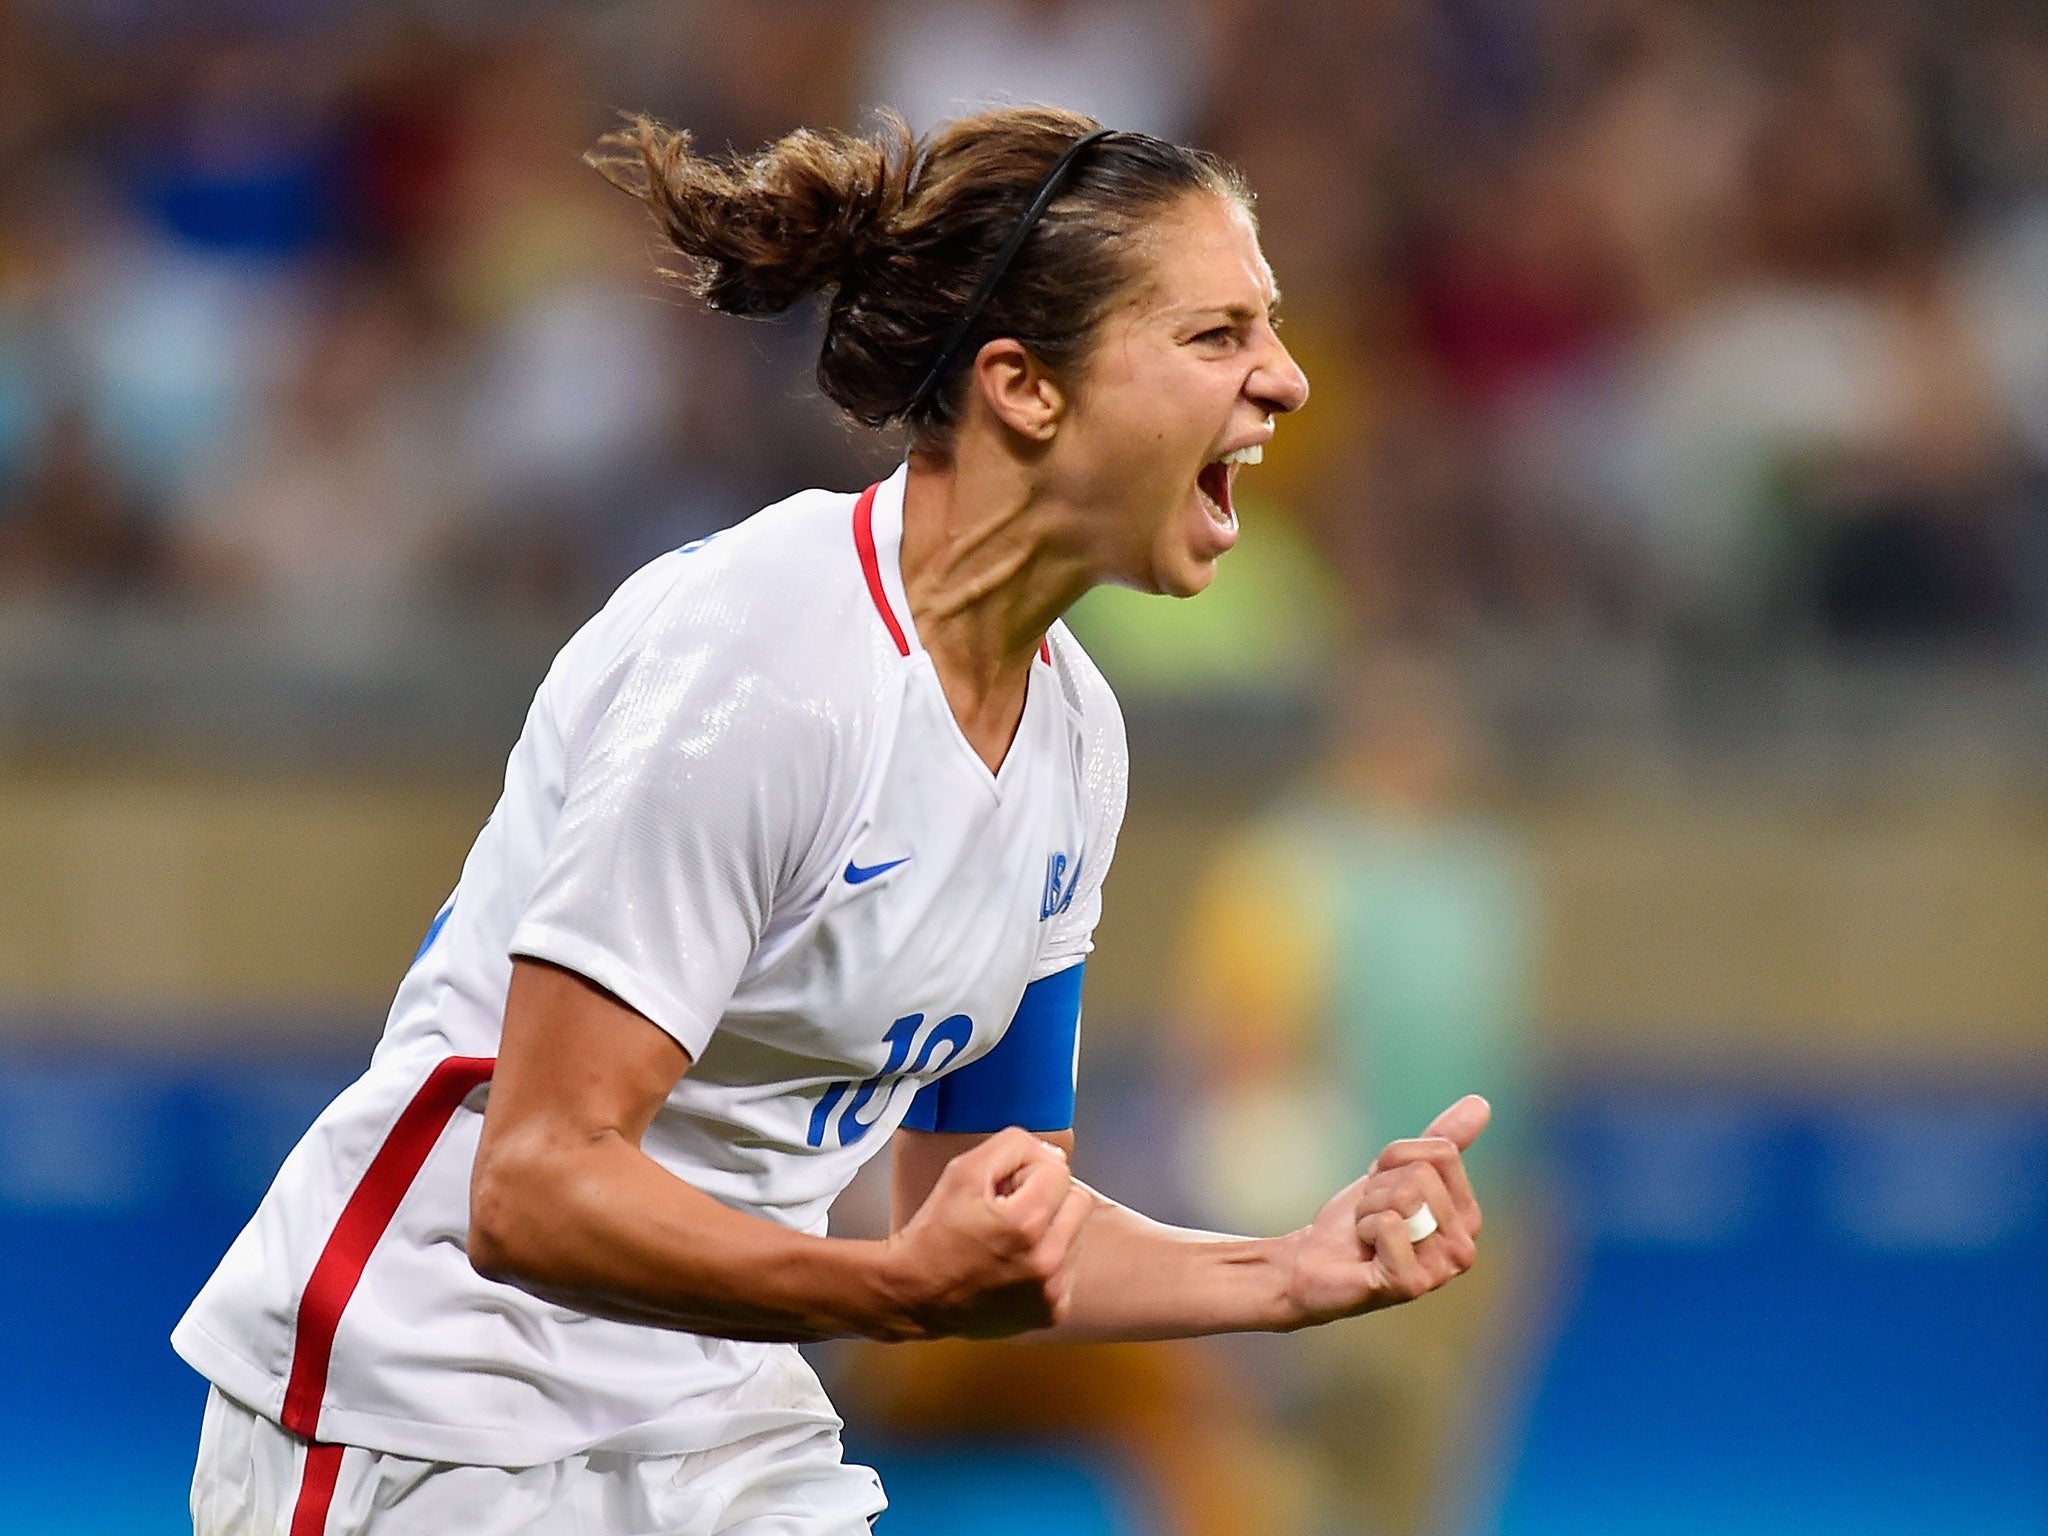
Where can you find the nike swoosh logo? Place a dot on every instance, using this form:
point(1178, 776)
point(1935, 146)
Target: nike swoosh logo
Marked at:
point(855, 875)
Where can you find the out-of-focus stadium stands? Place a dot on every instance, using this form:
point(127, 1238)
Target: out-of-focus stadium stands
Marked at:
point(1680, 394)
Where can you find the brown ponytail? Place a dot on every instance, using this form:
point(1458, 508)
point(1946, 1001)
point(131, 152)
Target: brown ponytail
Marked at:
point(900, 231)
point(767, 231)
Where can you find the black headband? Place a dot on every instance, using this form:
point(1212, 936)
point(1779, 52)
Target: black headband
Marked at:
point(1047, 190)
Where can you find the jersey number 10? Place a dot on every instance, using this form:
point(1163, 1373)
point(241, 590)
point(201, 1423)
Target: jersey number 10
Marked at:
point(952, 1032)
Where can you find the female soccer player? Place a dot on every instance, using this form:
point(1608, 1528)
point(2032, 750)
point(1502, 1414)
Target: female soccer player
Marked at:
point(799, 855)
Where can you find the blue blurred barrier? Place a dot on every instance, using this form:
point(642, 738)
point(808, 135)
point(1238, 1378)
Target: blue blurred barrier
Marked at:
point(122, 1180)
point(976, 1489)
point(1813, 1317)
point(1822, 1315)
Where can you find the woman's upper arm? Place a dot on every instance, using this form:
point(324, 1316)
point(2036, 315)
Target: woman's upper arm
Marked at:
point(696, 788)
point(575, 1064)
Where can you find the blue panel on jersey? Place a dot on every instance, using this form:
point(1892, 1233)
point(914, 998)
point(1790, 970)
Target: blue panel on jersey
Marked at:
point(1027, 1080)
point(434, 930)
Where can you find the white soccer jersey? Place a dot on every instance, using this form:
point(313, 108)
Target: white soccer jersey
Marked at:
point(742, 804)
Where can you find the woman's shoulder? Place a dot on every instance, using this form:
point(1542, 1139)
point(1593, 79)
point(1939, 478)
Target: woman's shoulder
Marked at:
point(1105, 758)
point(788, 570)
point(769, 615)
point(784, 583)
point(1082, 685)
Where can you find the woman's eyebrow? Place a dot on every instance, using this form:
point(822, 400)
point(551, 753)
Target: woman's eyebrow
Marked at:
point(1237, 314)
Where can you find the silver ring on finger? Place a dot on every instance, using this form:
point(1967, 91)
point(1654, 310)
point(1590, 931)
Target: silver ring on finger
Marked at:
point(1420, 1225)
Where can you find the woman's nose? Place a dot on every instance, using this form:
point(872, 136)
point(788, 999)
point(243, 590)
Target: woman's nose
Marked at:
point(1278, 384)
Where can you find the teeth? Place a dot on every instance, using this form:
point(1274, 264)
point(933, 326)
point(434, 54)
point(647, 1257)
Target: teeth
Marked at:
point(1227, 519)
point(1250, 455)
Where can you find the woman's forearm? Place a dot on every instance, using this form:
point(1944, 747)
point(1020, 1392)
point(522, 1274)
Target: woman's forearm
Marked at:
point(608, 1231)
point(1136, 1278)
point(603, 1228)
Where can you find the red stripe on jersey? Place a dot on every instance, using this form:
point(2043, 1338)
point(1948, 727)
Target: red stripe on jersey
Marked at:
point(864, 541)
point(316, 1490)
point(360, 1225)
point(1045, 650)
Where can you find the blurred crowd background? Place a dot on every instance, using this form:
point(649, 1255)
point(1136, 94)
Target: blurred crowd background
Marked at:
point(1627, 701)
point(1625, 316)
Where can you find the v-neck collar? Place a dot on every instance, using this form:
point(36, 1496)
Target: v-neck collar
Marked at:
point(878, 543)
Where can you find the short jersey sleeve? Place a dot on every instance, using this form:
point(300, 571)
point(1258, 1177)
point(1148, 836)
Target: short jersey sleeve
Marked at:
point(692, 787)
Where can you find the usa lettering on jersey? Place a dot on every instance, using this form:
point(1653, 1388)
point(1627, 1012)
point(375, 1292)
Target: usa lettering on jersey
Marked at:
point(1061, 881)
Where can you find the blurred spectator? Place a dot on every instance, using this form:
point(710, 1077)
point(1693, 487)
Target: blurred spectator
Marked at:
point(175, 350)
point(566, 421)
point(347, 497)
point(67, 527)
point(1136, 64)
point(237, 157)
point(520, 213)
point(1513, 286)
point(1356, 961)
point(1816, 442)
point(397, 140)
point(564, 379)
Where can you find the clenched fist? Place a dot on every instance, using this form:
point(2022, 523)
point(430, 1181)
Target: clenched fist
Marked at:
point(1356, 1255)
point(990, 1251)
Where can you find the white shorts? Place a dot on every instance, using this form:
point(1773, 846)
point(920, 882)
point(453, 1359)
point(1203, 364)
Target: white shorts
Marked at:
point(255, 1478)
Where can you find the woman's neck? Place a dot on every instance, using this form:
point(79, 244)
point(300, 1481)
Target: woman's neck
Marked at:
point(988, 563)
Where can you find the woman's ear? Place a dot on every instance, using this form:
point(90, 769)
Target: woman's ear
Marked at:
point(1019, 389)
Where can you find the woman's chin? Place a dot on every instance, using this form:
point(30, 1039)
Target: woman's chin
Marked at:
point(1204, 574)
point(1184, 552)
point(1183, 571)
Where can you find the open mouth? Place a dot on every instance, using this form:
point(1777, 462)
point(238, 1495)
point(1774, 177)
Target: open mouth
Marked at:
point(1214, 484)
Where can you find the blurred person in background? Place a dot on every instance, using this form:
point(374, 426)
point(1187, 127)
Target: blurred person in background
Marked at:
point(1349, 953)
point(1798, 429)
point(570, 375)
point(186, 309)
point(1845, 386)
point(66, 528)
point(1143, 63)
point(69, 526)
point(346, 501)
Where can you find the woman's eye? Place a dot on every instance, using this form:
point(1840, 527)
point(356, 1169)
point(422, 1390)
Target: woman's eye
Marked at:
point(1219, 333)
